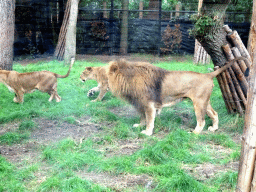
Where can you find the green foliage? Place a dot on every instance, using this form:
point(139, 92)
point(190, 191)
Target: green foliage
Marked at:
point(27, 125)
point(8, 177)
point(227, 180)
point(13, 137)
point(203, 25)
point(67, 182)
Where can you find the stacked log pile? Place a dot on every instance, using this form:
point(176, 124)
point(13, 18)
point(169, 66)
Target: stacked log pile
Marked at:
point(60, 48)
point(233, 82)
point(200, 55)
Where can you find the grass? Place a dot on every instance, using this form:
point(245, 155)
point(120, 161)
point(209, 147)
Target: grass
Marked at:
point(161, 156)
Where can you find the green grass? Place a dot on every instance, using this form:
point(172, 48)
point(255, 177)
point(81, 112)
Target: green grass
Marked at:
point(161, 156)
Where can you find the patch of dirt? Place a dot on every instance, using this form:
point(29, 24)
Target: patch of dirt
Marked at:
point(119, 182)
point(47, 131)
point(53, 130)
point(125, 111)
point(123, 147)
point(207, 170)
point(24, 60)
point(20, 152)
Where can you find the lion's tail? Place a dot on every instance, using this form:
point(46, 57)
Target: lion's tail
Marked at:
point(220, 70)
point(71, 64)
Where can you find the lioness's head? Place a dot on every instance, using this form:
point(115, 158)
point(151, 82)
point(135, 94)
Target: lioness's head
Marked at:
point(88, 73)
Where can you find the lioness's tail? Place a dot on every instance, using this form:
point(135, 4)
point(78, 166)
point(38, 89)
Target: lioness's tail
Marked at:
point(229, 63)
point(71, 64)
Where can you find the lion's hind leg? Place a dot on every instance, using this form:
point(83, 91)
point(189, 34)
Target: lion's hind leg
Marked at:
point(214, 117)
point(53, 93)
point(200, 111)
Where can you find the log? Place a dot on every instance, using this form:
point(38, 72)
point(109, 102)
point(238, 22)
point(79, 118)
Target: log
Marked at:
point(241, 63)
point(224, 93)
point(227, 29)
point(239, 44)
point(233, 93)
point(227, 89)
point(238, 88)
point(239, 74)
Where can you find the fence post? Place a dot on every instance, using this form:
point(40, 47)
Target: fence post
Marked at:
point(159, 27)
point(105, 13)
point(141, 8)
point(111, 27)
point(177, 9)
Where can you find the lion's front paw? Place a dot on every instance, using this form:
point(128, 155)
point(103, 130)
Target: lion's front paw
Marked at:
point(136, 125)
point(90, 93)
point(149, 133)
point(212, 129)
point(15, 100)
point(196, 132)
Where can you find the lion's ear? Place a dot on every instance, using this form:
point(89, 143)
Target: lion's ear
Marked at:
point(113, 68)
point(88, 68)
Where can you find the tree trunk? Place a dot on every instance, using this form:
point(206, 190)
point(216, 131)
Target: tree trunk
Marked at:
point(212, 35)
point(246, 178)
point(70, 47)
point(247, 171)
point(124, 28)
point(252, 36)
point(7, 25)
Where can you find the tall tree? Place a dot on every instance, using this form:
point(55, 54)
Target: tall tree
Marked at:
point(124, 28)
point(247, 172)
point(7, 20)
point(252, 36)
point(247, 167)
point(209, 31)
point(70, 46)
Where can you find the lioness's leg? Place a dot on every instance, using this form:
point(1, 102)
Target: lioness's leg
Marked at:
point(15, 99)
point(53, 93)
point(92, 91)
point(150, 112)
point(200, 110)
point(103, 91)
point(57, 97)
point(19, 97)
point(214, 117)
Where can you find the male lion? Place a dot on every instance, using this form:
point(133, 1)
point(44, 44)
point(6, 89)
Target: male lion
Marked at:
point(21, 83)
point(149, 88)
point(98, 74)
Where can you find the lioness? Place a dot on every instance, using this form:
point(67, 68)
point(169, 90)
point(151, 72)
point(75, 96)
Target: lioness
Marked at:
point(98, 74)
point(149, 88)
point(21, 83)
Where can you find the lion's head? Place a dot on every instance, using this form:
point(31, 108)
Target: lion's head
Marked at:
point(88, 73)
